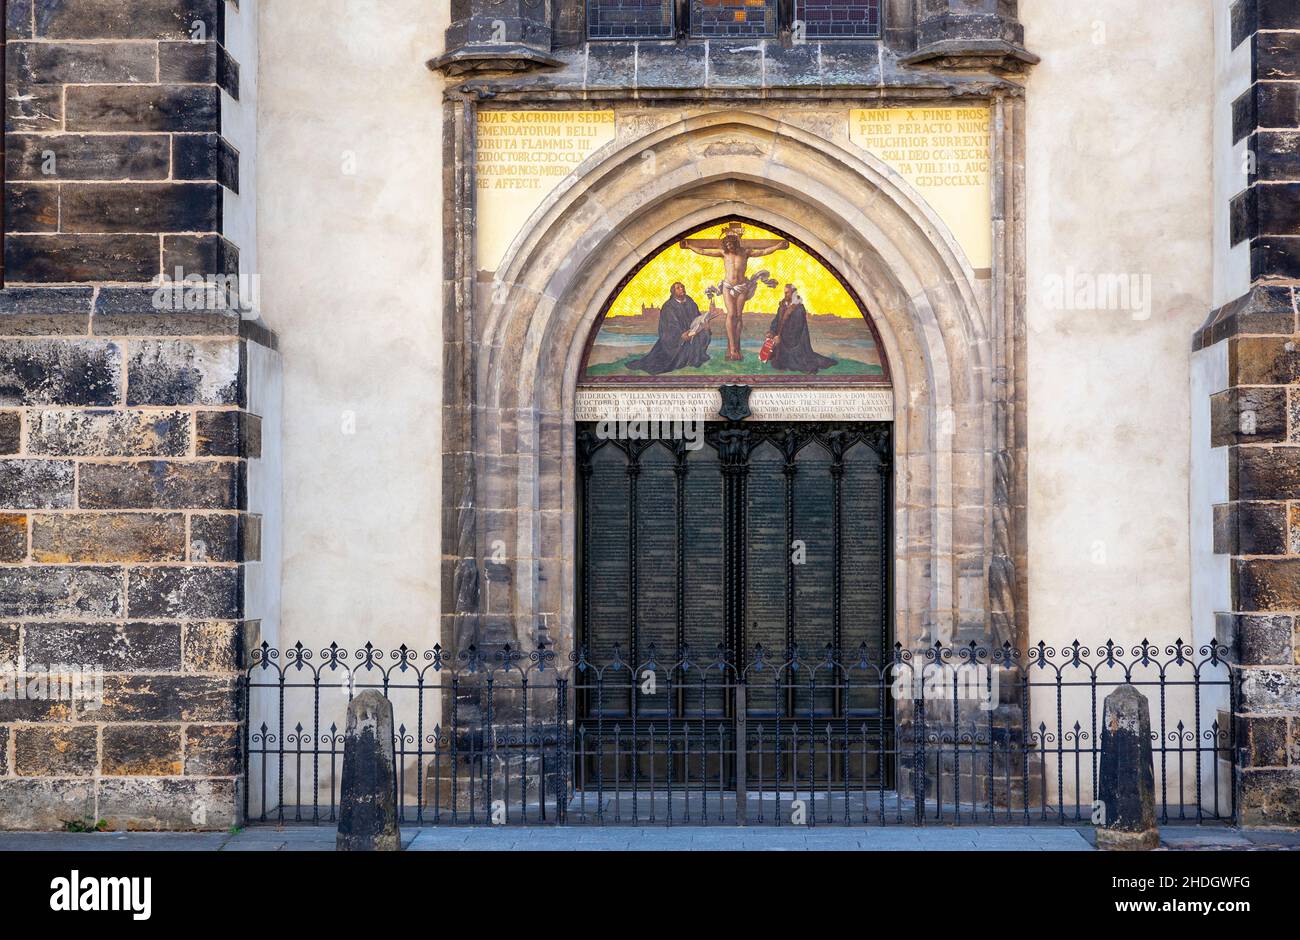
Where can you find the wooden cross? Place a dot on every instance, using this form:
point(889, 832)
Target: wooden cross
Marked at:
point(712, 247)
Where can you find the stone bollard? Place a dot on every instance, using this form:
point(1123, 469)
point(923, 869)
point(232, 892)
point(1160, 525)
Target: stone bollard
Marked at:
point(367, 798)
point(1128, 780)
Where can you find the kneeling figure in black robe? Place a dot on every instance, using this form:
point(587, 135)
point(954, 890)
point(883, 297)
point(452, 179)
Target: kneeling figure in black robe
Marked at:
point(792, 347)
point(676, 348)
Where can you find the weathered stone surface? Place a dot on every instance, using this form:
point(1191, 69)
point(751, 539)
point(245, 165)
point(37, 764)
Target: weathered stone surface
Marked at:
point(1270, 690)
point(4, 751)
point(128, 19)
point(1127, 787)
point(55, 751)
point(159, 311)
point(58, 591)
point(140, 207)
point(1269, 798)
point(185, 372)
point(162, 484)
point(169, 698)
point(11, 431)
point(95, 433)
point(45, 311)
point(1251, 529)
point(1248, 416)
point(33, 804)
point(367, 795)
point(228, 434)
point(1266, 584)
point(187, 593)
point(212, 647)
point(56, 259)
point(169, 803)
point(1264, 640)
point(212, 750)
point(225, 537)
point(130, 108)
point(37, 372)
point(142, 751)
point(36, 484)
point(205, 157)
point(108, 537)
point(89, 157)
point(113, 647)
point(31, 208)
point(1264, 473)
point(199, 254)
point(13, 538)
point(1263, 741)
point(56, 63)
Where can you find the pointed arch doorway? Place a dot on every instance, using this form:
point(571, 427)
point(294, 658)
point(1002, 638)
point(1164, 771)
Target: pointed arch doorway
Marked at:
point(735, 503)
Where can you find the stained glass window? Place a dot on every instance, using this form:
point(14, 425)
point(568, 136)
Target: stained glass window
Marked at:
point(838, 19)
point(629, 19)
point(733, 19)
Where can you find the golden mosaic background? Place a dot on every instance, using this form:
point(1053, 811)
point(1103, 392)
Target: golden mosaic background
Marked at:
point(822, 292)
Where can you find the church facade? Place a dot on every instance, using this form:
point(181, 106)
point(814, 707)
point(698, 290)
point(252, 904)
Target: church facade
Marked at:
point(614, 327)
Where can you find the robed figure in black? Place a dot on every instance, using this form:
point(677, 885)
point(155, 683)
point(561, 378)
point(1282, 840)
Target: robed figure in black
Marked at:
point(683, 342)
point(791, 345)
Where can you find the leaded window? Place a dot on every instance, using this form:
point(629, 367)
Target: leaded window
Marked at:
point(630, 19)
point(733, 19)
point(838, 19)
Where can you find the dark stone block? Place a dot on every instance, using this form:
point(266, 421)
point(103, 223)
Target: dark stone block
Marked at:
point(1243, 216)
point(109, 433)
point(1277, 156)
point(192, 108)
point(105, 538)
point(57, 63)
point(113, 647)
point(161, 311)
point(1277, 56)
point(37, 372)
point(186, 372)
point(368, 795)
point(219, 537)
point(1248, 416)
point(141, 207)
point(88, 157)
point(170, 698)
point(212, 751)
point(198, 63)
point(45, 259)
point(38, 108)
point(142, 751)
point(45, 311)
point(61, 751)
point(1277, 14)
point(1269, 797)
point(199, 254)
point(1250, 529)
point(130, 19)
point(229, 434)
point(1263, 360)
point(1266, 584)
point(1262, 742)
point(58, 591)
point(36, 484)
point(162, 484)
point(18, 24)
point(11, 431)
point(13, 542)
point(1126, 781)
point(1263, 640)
point(31, 208)
point(188, 593)
point(1275, 257)
point(205, 157)
point(1245, 21)
point(213, 647)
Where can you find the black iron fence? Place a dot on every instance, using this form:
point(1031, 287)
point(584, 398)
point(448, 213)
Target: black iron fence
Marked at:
point(945, 735)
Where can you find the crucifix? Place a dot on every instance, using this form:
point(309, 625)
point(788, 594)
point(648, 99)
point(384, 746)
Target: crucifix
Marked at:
point(737, 286)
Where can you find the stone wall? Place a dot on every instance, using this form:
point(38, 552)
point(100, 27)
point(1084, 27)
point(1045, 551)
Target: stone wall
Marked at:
point(126, 433)
point(1256, 419)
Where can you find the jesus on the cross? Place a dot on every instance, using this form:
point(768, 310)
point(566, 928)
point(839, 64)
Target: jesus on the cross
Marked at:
point(737, 287)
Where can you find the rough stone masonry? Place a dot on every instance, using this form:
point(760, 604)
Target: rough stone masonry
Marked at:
point(125, 431)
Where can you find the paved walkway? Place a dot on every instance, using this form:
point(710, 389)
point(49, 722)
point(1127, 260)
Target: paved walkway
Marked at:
point(658, 839)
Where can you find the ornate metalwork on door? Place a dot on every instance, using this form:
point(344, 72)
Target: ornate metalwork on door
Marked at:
point(762, 541)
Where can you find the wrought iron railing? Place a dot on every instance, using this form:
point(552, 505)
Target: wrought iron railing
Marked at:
point(942, 734)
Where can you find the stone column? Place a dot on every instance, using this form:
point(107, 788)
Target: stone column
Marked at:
point(1256, 418)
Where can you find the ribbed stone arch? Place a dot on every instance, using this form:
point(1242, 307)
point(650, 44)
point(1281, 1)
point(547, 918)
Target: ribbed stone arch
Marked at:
point(513, 400)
